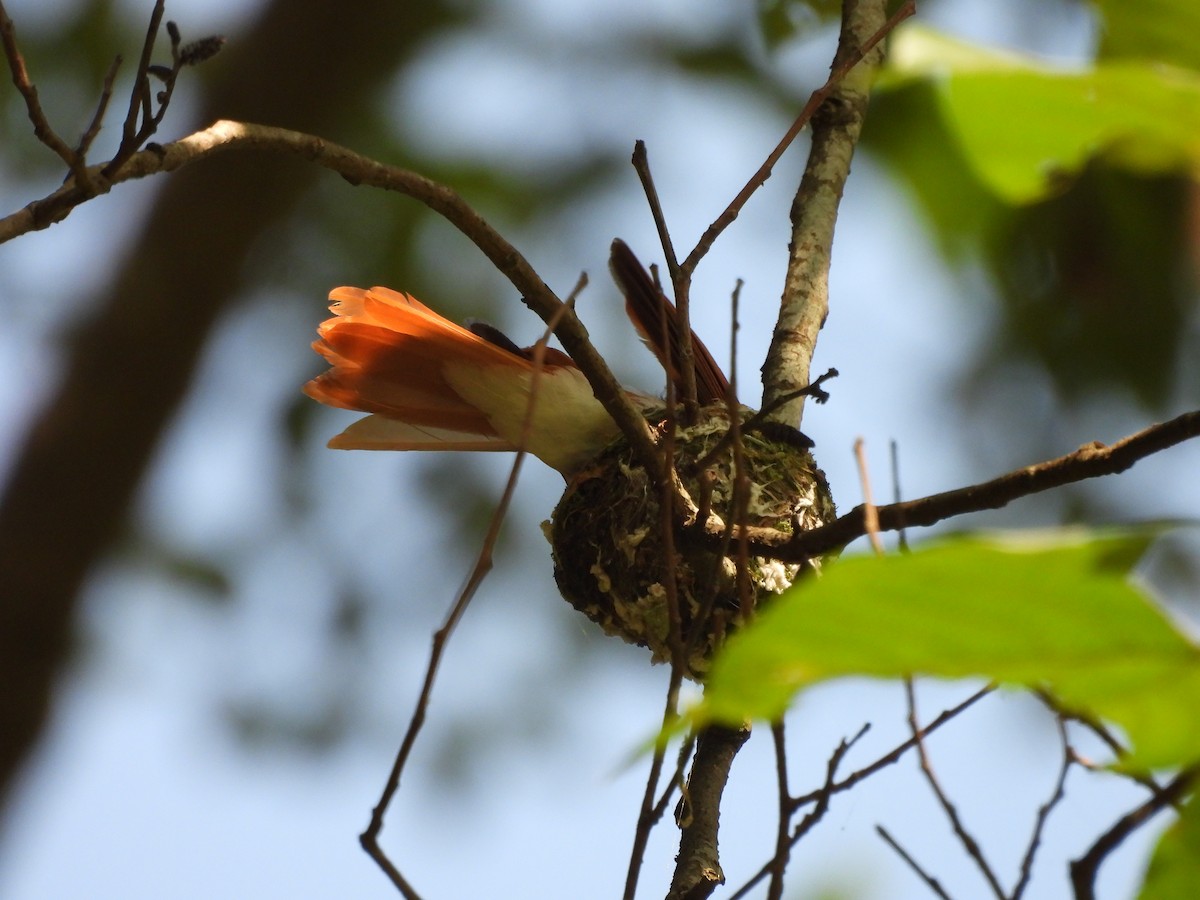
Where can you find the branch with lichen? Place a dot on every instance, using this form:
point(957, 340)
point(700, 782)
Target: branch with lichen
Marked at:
point(835, 130)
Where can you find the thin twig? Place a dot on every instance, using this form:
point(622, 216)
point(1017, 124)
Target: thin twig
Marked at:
point(759, 178)
point(641, 165)
point(677, 777)
point(870, 517)
point(782, 845)
point(650, 812)
point(139, 99)
point(1104, 733)
point(894, 755)
point(1043, 813)
point(369, 839)
point(680, 282)
point(965, 838)
point(740, 499)
point(680, 660)
point(824, 794)
point(777, 862)
point(93, 129)
point(934, 884)
point(42, 129)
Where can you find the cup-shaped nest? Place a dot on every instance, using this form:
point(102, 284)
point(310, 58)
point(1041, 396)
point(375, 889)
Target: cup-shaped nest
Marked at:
point(607, 534)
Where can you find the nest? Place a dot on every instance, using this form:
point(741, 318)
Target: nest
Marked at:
point(606, 534)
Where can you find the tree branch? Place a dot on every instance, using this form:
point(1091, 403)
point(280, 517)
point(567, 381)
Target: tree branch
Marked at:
point(225, 136)
point(369, 839)
point(1089, 461)
point(42, 129)
point(698, 872)
point(835, 130)
point(968, 841)
point(1085, 869)
point(932, 883)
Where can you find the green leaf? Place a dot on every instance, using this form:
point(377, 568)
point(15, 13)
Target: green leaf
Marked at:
point(1163, 30)
point(1026, 128)
point(1059, 614)
point(1175, 867)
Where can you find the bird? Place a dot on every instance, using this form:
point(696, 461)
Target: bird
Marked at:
point(430, 384)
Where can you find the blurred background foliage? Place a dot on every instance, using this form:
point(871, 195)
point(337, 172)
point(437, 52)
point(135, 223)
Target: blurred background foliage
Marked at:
point(297, 588)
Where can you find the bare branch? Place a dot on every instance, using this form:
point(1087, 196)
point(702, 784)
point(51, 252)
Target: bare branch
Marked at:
point(894, 755)
point(139, 97)
point(870, 518)
point(650, 812)
point(1043, 813)
point(1084, 869)
point(225, 136)
point(369, 839)
point(1089, 461)
point(680, 281)
point(93, 129)
point(42, 129)
point(824, 794)
point(934, 884)
point(897, 494)
point(960, 830)
point(783, 846)
point(850, 53)
point(776, 864)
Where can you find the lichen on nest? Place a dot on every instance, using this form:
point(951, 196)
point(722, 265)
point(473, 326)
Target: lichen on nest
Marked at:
point(606, 534)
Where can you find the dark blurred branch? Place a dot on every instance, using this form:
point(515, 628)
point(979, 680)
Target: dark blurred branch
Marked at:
point(128, 364)
point(1085, 869)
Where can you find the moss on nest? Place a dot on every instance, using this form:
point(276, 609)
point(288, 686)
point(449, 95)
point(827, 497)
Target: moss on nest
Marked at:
point(606, 534)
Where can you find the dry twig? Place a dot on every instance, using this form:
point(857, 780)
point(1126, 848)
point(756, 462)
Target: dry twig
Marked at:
point(822, 796)
point(960, 830)
point(1043, 813)
point(369, 839)
point(933, 883)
